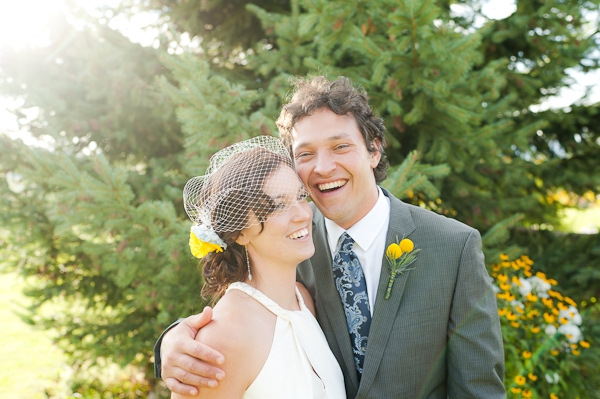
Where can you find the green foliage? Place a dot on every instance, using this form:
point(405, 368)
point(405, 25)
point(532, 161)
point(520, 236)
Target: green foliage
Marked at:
point(571, 258)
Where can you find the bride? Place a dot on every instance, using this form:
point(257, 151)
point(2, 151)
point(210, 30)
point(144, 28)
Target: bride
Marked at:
point(252, 226)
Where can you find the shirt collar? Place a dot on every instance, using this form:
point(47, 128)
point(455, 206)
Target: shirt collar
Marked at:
point(365, 230)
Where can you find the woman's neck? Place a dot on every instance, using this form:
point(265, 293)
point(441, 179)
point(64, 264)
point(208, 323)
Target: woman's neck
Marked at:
point(277, 282)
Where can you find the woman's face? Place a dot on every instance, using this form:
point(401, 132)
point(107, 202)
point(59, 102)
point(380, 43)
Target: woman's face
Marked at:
point(287, 235)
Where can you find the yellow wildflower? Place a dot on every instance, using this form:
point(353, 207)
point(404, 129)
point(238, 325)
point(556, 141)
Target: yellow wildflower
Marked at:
point(527, 393)
point(549, 318)
point(541, 275)
point(527, 274)
point(510, 297)
point(520, 309)
point(576, 352)
point(554, 352)
point(511, 316)
point(502, 311)
point(548, 302)
point(535, 329)
point(555, 311)
point(570, 302)
point(503, 278)
point(527, 354)
point(555, 294)
point(516, 280)
point(552, 281)
point(532, 377)
point(584, 344)
point(553, 396)
point(531, 298)
point(394, 251)
point(503, 256)
point(505, 286)
point(514, 324)
point(520, 380)
point(563, 320)
point(573, 346)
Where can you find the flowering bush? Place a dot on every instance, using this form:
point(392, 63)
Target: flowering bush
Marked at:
point(540, 328)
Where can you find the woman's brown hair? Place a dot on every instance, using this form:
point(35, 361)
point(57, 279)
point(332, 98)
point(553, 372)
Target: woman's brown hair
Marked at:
point(241, 202)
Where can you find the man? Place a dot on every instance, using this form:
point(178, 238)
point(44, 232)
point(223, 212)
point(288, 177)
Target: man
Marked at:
point(438, 333)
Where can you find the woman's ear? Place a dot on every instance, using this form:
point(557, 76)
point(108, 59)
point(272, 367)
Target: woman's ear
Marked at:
point(242, 238)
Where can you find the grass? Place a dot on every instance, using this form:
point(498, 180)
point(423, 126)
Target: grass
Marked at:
point(28, 359)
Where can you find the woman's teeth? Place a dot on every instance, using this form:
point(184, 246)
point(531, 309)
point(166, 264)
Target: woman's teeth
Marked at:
point(298, 234)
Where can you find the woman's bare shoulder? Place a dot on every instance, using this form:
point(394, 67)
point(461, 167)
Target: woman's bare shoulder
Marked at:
point(242, 330)
point(236, 316)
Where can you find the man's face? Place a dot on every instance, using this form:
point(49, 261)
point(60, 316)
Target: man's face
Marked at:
point(333, 162)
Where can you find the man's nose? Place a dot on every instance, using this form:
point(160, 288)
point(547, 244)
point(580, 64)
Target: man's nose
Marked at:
point(324, 165)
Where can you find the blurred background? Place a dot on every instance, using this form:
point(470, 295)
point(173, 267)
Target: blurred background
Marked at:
point(107, 108)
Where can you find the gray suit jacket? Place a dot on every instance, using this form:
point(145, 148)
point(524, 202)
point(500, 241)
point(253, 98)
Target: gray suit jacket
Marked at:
point(438, 335)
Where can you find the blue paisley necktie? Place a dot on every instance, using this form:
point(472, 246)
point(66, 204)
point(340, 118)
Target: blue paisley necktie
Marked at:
point(350, 283)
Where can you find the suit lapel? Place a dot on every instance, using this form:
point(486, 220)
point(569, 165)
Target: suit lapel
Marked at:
point(328, 294)
point(401, 225)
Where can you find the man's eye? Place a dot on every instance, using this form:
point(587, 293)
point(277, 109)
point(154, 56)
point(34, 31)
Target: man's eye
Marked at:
point(302, 155)
point(341, 146)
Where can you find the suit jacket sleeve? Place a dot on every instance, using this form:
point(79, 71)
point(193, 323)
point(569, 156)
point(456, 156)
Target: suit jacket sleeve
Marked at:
point(475, 349)
point(157, 359)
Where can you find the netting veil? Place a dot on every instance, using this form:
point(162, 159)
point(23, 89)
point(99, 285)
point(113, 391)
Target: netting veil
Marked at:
point(232, 194)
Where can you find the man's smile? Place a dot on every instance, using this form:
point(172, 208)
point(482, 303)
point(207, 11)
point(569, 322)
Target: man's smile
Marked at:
point(326, 187)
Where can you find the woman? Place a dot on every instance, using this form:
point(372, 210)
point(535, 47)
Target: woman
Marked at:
point(252, 227)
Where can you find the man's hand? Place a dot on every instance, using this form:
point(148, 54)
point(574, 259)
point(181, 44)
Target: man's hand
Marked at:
point(185, 361)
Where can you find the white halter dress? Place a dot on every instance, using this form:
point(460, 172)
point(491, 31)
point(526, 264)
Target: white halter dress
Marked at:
point(300, 364)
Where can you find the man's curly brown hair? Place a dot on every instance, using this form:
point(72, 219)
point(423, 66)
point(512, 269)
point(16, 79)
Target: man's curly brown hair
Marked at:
point(341, 97)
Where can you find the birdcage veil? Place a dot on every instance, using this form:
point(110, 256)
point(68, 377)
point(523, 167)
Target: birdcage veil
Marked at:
point(219, 201)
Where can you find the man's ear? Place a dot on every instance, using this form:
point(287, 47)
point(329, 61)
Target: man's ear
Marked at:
point(375, 152)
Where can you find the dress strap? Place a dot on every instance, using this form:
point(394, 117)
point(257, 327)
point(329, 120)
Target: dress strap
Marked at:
point(264, 300)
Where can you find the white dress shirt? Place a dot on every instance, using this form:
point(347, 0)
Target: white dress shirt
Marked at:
point(369, 235)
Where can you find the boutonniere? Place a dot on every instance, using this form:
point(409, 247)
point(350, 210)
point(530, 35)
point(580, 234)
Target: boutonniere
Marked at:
point(399, 256)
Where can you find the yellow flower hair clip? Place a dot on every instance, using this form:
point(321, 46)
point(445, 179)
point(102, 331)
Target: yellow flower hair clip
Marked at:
point(203, 240)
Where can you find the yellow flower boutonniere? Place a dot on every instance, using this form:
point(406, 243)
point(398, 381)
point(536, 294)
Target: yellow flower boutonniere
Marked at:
point(399, 256)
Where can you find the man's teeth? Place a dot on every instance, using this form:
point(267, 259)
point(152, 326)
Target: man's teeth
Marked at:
point(298, 234)
point(333, 184)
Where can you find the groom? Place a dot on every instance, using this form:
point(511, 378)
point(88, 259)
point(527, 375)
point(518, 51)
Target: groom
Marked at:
point(438, 333)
